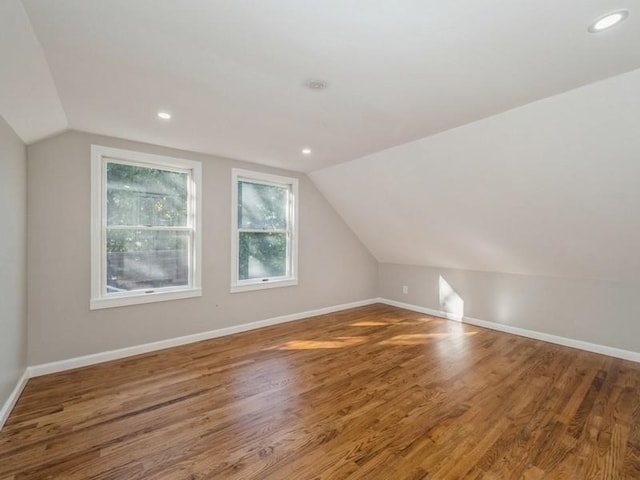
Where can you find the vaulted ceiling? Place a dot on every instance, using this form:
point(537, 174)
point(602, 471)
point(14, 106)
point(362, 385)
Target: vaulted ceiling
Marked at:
point(232, 72)
point(549, 189)
point(493, 135)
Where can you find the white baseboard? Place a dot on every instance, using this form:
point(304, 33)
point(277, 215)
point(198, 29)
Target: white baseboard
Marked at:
point(59, 366)
point(523, 332)
point(13, 398)
point(416, 308)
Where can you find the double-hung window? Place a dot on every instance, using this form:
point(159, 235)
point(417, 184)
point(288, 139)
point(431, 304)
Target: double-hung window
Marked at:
point(145, 236)
point(264, 240)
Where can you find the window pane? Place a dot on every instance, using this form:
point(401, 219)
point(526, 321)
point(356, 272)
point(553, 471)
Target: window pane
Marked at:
point(146, 196)
point(262, 255)
point(262, 207)
point(142, 259)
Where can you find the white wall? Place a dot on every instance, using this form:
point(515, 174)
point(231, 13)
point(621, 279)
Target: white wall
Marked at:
point(334, 267)
point(13, 287)
point(547, 189)
point(596, 311)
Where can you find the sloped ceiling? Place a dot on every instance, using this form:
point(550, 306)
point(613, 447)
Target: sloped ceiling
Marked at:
point(232, 72)
point(29, 101)
point(548, 188)
point(551, 188)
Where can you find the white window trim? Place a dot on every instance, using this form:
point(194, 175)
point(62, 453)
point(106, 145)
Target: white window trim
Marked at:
point(99, 298)
point(267, 179)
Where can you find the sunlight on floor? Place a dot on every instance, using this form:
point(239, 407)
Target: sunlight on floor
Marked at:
point(338, 342)
point(368, 324)
point(423, 338)
point(420, 322)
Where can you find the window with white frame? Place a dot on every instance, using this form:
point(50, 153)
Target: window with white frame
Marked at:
point(145, 235)
point(264, 241)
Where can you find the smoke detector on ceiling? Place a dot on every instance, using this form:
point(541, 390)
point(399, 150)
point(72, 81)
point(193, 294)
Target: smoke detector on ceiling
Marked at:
point(316, 84)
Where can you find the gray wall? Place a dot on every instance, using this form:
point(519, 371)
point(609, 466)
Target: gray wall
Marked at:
point(334, 266)
point(597, 311)
point(13, 261)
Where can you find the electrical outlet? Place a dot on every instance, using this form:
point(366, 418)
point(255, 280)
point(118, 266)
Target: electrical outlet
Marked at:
point(405, 289)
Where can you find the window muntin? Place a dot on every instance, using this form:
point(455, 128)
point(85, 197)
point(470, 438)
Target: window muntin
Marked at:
point(264, 231)
point(145, 241)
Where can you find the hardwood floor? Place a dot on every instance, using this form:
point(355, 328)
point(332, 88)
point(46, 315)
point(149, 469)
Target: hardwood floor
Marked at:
point(370, 393)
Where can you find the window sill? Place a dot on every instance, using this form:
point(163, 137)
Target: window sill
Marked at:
point(245, 287)
point(121, 301)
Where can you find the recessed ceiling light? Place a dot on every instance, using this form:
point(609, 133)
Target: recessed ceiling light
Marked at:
point(316, 84)
point(306, 151)
point(607, 21)
point(164, 115)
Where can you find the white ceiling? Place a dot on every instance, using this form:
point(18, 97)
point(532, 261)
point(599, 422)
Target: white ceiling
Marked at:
point(29, 101)
point(231, 71)
point(550, 188)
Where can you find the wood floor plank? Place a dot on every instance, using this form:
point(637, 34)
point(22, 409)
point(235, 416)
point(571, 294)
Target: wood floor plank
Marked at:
point(370, 393)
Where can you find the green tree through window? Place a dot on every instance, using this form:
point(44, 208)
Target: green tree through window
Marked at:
point(139, 199)
point(262, 224)
point(264, 247)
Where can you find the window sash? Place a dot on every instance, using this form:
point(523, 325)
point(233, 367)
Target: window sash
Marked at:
point(286, 231)
point(101, 297)
point(290, 277)
point(190, 223)
point(260, 279)
point(188, 228)
point(147, 290)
